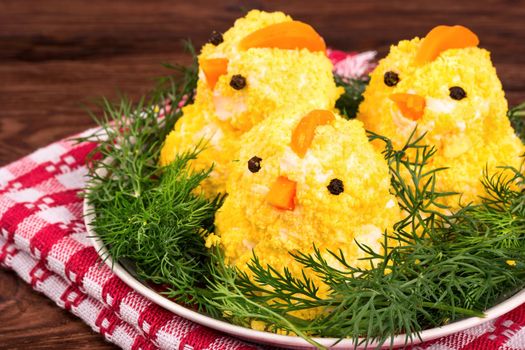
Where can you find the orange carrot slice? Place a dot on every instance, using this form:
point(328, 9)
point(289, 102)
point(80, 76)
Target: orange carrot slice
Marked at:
point(285, 35)
point(442, 38)
point(304, 132)
point(282, 193)
point(213, 68)
point(411, 106)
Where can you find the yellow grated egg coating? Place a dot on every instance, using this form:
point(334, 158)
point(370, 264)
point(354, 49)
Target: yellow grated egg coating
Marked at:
point(198, 127)
point(254, 20)
point(275, 79)
point(469, 134)
point(340, 150)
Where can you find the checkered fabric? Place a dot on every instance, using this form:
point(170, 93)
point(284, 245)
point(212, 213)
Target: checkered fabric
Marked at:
point(43, 239)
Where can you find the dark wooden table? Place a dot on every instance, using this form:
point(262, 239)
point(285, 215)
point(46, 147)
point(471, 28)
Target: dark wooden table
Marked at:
point(58, 56)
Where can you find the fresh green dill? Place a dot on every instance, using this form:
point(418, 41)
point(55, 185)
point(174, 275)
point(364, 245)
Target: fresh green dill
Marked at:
point(153, 216)
point(436, 266)
point(440, 268)
point(349, 101)
point(517, 118)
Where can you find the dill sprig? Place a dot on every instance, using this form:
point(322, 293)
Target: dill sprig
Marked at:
point(517, 118)
point(348, 102)
point(153, 216)
point(435, 267)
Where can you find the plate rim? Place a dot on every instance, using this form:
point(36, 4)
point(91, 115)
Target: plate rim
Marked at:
point(278, 339)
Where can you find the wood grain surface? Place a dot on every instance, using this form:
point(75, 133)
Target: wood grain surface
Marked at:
point(57, 57)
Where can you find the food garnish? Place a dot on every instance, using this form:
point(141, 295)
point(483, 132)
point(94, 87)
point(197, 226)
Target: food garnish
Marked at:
point(282, 193)
point(443, 38)
point(285, 35)
point(238, 82)
point(216, 38)
point(437, 263)
point(303, 133)
point(213, 68)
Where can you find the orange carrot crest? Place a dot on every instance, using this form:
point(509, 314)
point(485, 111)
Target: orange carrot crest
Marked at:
point(442, 38)
point(285, 35)
point(304, 132)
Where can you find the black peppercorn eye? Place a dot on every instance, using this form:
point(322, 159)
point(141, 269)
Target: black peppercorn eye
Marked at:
point(238, 82)
point(216, 38)
point(254, 164)
point(336, 187)
point(391, 78)
point(457, 93)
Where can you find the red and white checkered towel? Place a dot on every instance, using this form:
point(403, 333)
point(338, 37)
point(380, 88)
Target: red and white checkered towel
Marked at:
point(43, 239)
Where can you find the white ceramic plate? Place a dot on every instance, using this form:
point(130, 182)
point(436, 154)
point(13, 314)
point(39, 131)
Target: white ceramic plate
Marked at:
point(282, 340)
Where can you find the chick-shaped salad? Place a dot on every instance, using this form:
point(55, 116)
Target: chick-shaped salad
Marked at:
point(265, 62)
point(305, 179)
point(448, 88)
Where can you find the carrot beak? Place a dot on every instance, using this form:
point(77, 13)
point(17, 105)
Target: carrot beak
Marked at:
point(282, 193)
point(213, 68)
point(410, 105)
